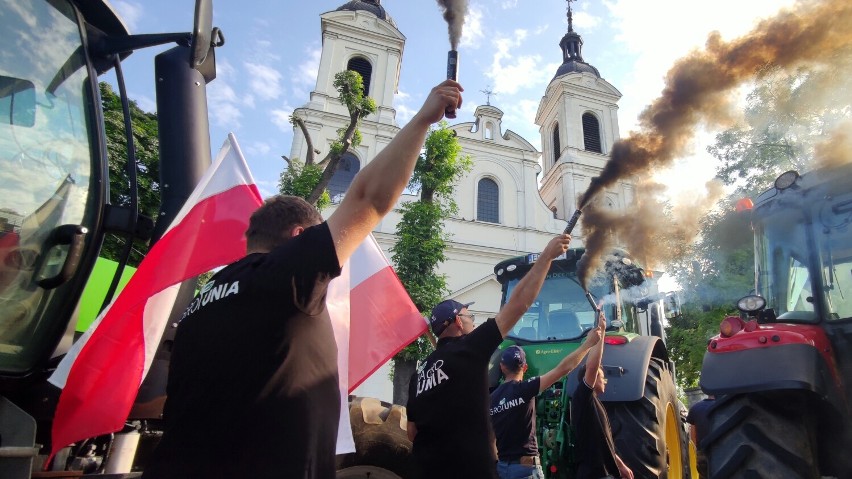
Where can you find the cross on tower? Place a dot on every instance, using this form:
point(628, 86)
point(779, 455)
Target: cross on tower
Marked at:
point(488, 92)
point(570, 16)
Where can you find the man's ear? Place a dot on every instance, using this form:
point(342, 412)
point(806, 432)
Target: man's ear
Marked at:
point(296, 231)
point(526, 366)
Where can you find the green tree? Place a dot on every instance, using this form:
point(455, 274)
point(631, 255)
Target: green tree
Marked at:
point(147, 144)
point(422, 241)
point(309, 178)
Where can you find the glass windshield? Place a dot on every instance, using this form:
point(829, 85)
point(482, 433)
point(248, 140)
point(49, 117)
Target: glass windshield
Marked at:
point(45, 167)
point(561, 310)
point(804, 259)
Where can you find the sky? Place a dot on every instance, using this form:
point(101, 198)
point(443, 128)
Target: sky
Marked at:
point(268, 66)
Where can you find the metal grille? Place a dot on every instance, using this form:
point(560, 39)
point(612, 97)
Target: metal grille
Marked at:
point(556, 147)
point(362, 66)
point(488, 201)
point(592, 133)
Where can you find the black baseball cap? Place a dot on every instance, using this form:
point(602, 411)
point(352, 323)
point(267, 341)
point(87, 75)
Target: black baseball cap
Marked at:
point(513, 357)
point(444, 314)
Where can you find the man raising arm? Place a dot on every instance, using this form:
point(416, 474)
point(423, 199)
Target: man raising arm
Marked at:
point(448, 394)
point(513, 409)
point(595, 448)
point(261, 356)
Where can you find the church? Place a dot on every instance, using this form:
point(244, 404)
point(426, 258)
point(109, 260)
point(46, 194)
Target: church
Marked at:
point(516, 198)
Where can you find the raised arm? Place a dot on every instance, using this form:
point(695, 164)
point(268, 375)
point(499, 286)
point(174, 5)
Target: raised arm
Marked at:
point(528, 288)
point(570, 361)
point(376, 188)
point(593, 362)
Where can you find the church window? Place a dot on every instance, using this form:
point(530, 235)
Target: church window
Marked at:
point(553, 209)
point(488, 201)
point(362, 66)
point(489, 131)
point(556, 147)
point(342, 178)
point(592, 133)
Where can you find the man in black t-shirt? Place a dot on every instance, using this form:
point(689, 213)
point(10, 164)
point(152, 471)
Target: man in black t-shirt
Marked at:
point(448, 394)
point(596, 452)
point(513, 409)
point(253, 381)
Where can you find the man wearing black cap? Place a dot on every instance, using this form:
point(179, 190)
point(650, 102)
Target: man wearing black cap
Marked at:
point(448, 394)
point(513, 408)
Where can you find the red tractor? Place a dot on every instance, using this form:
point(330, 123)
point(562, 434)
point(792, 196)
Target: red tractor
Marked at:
point(782, 370)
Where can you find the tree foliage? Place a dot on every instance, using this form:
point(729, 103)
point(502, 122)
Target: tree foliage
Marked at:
point(421, 239)
point(786, 115)
point(312, 175)
point(147, 144)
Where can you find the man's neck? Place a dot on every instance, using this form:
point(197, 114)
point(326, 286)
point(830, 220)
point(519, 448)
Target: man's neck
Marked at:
point(515, 377)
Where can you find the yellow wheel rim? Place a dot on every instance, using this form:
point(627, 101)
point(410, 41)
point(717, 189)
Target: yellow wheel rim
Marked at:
point(673, 451)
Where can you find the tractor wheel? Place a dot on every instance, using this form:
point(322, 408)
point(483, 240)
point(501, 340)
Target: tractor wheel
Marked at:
point(648, 433)
point(381, 441)
point(762, 436)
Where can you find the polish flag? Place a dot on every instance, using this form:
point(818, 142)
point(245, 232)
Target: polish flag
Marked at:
point(373, 319)
point(101, 374)
point(384, 319)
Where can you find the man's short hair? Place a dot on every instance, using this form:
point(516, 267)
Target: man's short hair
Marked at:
point(270, 224)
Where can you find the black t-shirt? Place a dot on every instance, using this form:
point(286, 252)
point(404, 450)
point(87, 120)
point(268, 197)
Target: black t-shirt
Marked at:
point(595, 448)
point(448, 402)
point(698, 416)
point(253, 384)
point(513, 416)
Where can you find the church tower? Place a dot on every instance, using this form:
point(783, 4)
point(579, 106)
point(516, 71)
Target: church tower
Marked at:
point(578, 120)
point(361, 36)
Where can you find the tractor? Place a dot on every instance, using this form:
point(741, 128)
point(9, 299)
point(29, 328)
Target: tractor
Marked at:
point(641, 398)
point(781, 370)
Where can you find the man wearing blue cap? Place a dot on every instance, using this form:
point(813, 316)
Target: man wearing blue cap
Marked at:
point(513, 408)
point(448, 394)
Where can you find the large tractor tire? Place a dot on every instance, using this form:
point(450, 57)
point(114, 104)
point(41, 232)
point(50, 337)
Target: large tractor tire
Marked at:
point(649, 434)
point(382, 448)
point(762, 435)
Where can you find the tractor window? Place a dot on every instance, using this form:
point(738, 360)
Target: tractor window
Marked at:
point(46, 157)
point(561, 310)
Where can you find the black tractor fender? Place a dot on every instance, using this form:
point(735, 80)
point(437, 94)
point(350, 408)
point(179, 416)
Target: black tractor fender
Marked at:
point(626, 367)
point(781, 367)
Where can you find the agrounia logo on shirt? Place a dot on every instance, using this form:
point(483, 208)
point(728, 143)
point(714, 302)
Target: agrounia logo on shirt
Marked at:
point(210, 293)
point(429, 378)
point(505, 405)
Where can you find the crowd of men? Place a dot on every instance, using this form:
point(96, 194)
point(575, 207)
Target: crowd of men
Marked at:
point(263, 361)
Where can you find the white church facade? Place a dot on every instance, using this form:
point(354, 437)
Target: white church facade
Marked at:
point(516, 198)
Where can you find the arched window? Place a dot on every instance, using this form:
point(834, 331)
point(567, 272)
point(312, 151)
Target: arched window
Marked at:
point(342, 178)
point(362, 66)
point(556, 147)
point(489, 131)
point(592, 133)
point(553, 209)
point(488, 201)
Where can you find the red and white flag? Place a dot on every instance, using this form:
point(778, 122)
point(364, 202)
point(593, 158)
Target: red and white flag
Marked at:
point(101, 374)
point(384, 319)
point(373, 322)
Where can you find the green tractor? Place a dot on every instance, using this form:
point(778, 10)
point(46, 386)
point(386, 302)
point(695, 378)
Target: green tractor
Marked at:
point(641, 398)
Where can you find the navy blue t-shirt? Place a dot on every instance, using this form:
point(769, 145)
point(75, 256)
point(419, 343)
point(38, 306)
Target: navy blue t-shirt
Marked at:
point(448, 401)
point(513, 416)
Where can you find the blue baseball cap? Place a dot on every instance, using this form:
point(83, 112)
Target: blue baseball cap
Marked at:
point(444, 314)
point(513, 357)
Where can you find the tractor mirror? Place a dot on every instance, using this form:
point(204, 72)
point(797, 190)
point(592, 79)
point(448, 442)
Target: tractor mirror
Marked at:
point(202, 31)
point(17, 102)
